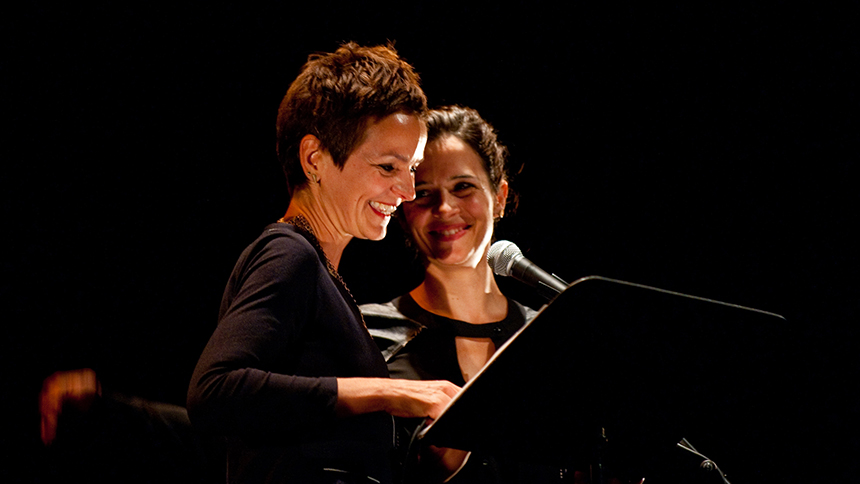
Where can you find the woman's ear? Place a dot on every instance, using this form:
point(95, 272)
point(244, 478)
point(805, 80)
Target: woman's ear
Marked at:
point(310, 151)
point(501, 200)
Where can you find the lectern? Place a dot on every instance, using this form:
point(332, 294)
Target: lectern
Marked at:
point(646, 368)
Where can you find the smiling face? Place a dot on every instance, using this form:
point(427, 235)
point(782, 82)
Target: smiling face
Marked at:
point(451, 219)
point(378, 175)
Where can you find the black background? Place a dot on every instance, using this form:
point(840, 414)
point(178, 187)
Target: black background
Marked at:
point(705, 149)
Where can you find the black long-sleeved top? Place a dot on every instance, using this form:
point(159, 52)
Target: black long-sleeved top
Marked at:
point(267, 377)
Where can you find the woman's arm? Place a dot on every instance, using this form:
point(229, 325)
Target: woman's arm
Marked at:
point(244, 381)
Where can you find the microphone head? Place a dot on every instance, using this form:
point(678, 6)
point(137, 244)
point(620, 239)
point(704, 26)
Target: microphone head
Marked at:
point(502, 255)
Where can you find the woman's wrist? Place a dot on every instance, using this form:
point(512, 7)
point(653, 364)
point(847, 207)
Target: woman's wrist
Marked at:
point(359, 395)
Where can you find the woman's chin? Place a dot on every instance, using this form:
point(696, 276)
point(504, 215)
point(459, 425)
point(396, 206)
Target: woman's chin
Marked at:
point(452, 258)
point(377, 234)
point(379, 237)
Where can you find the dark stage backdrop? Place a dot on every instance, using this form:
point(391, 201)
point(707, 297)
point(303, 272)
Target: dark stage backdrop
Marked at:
point(709, 150)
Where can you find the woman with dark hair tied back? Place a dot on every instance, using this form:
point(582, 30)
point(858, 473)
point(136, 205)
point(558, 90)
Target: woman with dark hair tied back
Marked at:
point(451, 324)
point(291, 375)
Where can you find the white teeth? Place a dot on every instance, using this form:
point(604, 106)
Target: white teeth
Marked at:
point(384, 208)
point(449, 232)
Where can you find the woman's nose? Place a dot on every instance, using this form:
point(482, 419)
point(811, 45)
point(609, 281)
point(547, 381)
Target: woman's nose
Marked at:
point(404, 186)
point(443, 203)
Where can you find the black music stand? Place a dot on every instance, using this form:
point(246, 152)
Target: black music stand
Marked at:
point(650, 367)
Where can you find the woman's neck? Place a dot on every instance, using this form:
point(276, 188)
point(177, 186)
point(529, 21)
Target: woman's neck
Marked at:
point(332, 242)
point(462, 293)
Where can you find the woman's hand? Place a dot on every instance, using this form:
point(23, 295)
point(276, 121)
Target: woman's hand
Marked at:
point(401, 398)
point(76, 387)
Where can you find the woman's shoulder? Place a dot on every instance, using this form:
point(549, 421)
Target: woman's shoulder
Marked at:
point(278, 252)
point(384, 317)
point(285, 235)
point(527, 312)
point(390, 328)
point(280, 239)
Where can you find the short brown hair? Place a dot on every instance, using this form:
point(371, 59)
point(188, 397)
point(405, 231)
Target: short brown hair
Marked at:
point(336, 95)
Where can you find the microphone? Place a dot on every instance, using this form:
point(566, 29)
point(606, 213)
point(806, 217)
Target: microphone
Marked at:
point(507, 259)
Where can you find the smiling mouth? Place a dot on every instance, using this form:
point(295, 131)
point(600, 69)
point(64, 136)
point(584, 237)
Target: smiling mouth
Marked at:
point(383, 208)
point(451, 232)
